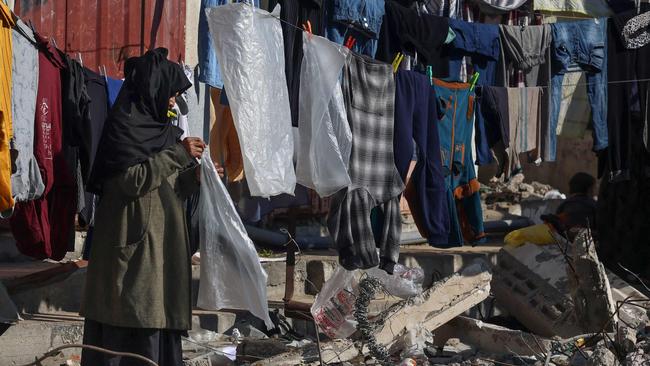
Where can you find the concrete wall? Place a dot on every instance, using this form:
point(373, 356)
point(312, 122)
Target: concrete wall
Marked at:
point(573, 155)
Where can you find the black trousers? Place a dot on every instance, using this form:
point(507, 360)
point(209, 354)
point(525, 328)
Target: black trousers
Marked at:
point(162, 346)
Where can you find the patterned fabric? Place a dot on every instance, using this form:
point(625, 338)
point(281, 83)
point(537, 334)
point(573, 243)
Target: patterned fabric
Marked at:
point(636, 33)
point(369, 94)
point(26, 182)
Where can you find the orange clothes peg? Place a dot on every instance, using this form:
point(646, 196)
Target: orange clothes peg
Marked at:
point(307, 28)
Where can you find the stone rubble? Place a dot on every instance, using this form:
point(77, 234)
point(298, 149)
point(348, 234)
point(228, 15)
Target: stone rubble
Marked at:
point(433, 328)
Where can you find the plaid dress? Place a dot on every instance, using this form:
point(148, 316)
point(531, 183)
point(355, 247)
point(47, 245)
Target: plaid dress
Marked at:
point(369, 94)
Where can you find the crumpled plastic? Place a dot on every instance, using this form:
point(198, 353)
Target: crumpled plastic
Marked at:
point(232, 276)
point(249, 46)
point(334, 304)
point(325, 135)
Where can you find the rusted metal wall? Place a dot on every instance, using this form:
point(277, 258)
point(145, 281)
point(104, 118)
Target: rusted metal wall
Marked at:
point(107, 32)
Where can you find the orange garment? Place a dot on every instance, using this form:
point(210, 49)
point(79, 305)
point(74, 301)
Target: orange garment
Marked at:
point(224, 142)
point(6, 24)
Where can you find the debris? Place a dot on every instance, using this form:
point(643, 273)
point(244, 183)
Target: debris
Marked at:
point(590, 290)
point(492, 338)
point(626, 338)
point(436, 306)
point(530, 282)
point(552, 293)
point(602, 356)
point(255, 349)
point(640, 356)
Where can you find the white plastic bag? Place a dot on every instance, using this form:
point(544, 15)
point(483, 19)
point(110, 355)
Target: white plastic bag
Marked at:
point(249, 46)
point(325, 135)
point(334, 305)
point(231, 274)
point(405, 282)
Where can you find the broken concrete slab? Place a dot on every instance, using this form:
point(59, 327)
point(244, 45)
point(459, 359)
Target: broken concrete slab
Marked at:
point(33, 337)
point(590, 290)
point(490, 338)
point(437, 305)
point(531, 283)
point(602, 356)
point(626, 338)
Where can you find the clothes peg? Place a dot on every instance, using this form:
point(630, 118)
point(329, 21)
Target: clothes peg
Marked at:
point(396, 61)
point(81, 61)
point(350, 43)
point(307, 28)
point(430, 73)
point(473, 80)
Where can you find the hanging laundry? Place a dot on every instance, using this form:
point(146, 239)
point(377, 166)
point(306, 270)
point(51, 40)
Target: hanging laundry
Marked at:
point(113, 87)
point(628, 104)
point(358, 20)
point(42, 226)
point(415, 115)
point(480, 42)
point(310, 14)
point(636, 33)
point(528, 49)
point(248, 43)
point(6, 23)
point(524, 106)
point(623, 202)
point(592, 8)
point(581, 44)
point(404, 29)
point(499, 6)
point(325, 136)
point(369, 95)
point(209, 71)
point(456, 103)
point(444, 8)
point(224, 142)
point(26, 182)
point(495, 108)
point(97, 113)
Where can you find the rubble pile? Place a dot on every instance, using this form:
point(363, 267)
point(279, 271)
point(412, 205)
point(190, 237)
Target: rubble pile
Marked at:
point(514, 190)
point(565, 309)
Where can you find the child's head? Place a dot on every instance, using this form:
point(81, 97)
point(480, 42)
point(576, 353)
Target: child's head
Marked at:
point(582, 183)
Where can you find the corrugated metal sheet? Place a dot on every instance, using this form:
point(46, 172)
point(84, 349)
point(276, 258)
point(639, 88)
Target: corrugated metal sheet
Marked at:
point(107, 32)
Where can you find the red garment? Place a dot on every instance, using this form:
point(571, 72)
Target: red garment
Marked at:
point(42, 227)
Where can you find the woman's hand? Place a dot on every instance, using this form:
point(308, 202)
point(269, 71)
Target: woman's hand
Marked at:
point(194, 146)
point(218, 167)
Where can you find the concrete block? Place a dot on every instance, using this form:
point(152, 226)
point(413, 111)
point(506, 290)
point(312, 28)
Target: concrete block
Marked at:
point(23, 342)
point(439, 304)
point(537, 285)
point(492, 339)
point(531, 283)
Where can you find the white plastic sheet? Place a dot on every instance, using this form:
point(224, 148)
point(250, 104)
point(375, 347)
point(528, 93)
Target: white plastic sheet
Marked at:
point(249, 46)
point(325, 135)
point(232, 276)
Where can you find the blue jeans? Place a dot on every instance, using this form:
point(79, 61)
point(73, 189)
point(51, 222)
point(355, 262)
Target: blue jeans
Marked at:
point(481, 43)
point(581, 45)
point(366, 14)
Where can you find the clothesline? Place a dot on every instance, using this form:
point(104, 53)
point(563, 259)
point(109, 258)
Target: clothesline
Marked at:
point(585, 84)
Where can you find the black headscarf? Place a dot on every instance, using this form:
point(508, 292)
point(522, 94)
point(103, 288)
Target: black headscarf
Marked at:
point(137, 126)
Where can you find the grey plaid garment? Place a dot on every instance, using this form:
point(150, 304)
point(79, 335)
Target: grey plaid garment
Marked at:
point(369, 94)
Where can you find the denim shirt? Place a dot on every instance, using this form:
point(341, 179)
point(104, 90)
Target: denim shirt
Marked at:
point(366, 15)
